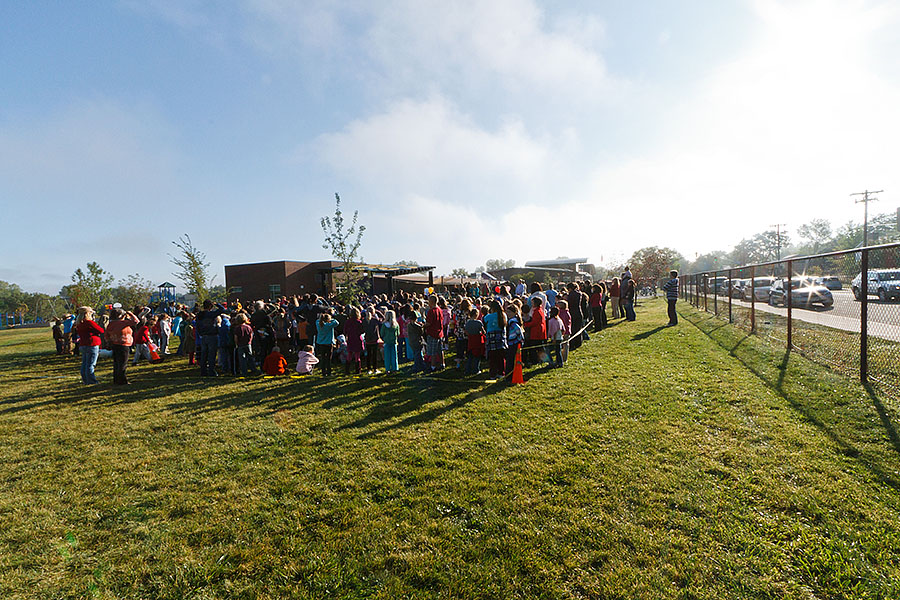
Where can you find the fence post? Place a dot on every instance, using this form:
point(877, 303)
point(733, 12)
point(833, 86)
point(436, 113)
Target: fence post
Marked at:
point(752, 299)
point(706, 292)
point(730, 294)
point(789, 303)
point(715, 293)
point(864, 319)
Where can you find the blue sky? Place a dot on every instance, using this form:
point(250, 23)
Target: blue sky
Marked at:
point(460, 131)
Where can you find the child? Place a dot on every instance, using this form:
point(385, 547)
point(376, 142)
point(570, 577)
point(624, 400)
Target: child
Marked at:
point(325, 327)
point(275, 363)
point(415, 338)
point(537, 330)
point(306, 360)
point(190, 342)
point(354, 332)
point(141, 342)
point(515, 335)
point(371, 327)
point(556, 330)
point(58, 336)
point(475, 342)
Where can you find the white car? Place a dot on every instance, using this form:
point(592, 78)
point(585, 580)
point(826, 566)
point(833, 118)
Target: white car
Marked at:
point(761, 288)
point(884, 283)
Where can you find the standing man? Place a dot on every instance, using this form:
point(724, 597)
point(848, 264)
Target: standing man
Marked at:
point(208, 337)
point(671, 289)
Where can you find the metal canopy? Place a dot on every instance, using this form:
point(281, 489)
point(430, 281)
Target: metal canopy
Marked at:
point(389, 270)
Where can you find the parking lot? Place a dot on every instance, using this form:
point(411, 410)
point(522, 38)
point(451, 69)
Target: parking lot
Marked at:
point(884, 317)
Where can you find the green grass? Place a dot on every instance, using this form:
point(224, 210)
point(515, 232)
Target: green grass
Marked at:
point(686, 462)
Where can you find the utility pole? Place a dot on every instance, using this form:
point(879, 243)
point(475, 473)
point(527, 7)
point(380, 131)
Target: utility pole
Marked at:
point(778, 227)
point(865, 200)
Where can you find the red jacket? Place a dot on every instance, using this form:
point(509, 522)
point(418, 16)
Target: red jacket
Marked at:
point(88, 333)
point(537, 326)
point(274, 364)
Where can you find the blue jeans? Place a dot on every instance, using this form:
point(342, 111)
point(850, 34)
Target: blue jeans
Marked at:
point(89, 356)
point(629, 310)
point(209, 346)
point(473, 364)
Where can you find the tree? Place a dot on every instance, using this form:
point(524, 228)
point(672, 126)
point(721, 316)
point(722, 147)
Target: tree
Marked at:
point(709, 262)
point(654, 263)
point(90, 288)
point(218, 293)
point(496, 264)
point(193, 268)
point(407, 263)
point(816, 233)
point(460, 272)
point(11, 297)
point(132, 291)
point(344, 244)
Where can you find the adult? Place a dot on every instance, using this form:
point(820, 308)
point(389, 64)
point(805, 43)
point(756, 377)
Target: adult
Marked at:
point(68, 323)
point(520, 288)
point(89, 338)
point(243, 338)
point(574, 304)
point(434, 334)
point(120, 335)
point(208, 336)
point(597, 306)
point(628, 299)
point(614, 298)
point(671, 289)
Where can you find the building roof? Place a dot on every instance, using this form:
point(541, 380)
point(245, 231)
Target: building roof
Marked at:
point(391, 270)
point(558, 261)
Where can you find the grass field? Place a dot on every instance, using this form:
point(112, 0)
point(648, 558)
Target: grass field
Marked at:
point(685, 462)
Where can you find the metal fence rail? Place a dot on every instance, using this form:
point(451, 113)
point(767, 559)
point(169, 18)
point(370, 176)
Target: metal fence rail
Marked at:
point(839, 308)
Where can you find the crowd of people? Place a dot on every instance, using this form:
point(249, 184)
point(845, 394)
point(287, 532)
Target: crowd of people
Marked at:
point(468, 328)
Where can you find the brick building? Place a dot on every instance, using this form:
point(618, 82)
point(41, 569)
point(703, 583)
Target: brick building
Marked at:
point(269, 280)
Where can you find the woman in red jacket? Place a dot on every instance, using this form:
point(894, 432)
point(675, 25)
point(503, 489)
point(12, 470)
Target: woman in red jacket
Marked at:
point(536, 328)
point(89, 343)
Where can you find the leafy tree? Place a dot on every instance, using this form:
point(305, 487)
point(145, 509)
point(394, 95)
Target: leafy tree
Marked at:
point(496, 264)
point(817, 234)
point(408, 263)
point(653, 263)
point(344, 244)
point(44, 306)
point(11, 297)
point(193, 268)
point(90, 288)
point(762, 247)
point(133, 291)
point(218, 293)
point(460, 272)
point(709, 262)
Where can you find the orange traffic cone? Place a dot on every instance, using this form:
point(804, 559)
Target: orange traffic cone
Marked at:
point(154, 355)
point(517, 377)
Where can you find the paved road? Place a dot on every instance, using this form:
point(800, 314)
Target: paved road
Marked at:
point(884, 317)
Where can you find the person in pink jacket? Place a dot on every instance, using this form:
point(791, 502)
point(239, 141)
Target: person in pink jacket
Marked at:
point(306, 360)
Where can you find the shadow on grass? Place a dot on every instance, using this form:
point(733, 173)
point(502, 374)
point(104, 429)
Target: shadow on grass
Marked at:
point(805, 405)
point(646, 334)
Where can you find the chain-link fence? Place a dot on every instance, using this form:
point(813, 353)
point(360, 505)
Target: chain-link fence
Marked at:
point(839, 308)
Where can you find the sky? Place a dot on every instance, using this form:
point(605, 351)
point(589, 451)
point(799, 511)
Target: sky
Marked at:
point(461, 131)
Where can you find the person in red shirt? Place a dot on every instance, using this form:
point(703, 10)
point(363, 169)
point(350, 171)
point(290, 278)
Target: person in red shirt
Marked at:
point(536, 328)
point(89, 343)
point(275, 363)
point(434, 333)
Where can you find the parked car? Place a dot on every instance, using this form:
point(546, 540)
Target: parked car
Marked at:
point(884, 283)
point(830, 281)
point(805, 293)
point(760, 290)
point(737, 287)
point(717, 285)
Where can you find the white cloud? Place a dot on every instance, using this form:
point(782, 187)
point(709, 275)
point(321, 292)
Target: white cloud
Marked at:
point(425, 147)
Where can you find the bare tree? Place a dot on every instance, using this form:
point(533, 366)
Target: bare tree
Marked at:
point(344, 244)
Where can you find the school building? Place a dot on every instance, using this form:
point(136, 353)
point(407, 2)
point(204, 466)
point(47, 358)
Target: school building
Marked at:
point(269, 280)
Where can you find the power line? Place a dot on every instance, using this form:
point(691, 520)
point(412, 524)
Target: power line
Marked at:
point(865, 200)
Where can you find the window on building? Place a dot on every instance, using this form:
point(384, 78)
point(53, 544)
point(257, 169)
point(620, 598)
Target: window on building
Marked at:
point(274, 290)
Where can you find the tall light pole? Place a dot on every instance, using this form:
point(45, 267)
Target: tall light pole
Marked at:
point(865, 200)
